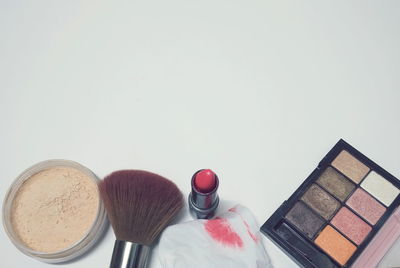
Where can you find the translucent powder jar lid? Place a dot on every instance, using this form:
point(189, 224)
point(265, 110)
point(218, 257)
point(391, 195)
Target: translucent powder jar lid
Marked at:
point(53, 211)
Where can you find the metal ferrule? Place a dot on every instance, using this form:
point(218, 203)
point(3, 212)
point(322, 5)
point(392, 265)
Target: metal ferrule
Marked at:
point(129, 255)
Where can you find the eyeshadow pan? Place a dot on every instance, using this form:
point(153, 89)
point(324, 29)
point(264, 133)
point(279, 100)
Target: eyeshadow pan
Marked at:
point(380, 188)
point(335, 183)
point(304, 219)
point(320, 201)
point(366, 206)
point(335, 245)
point(351, 225)
point(350, 166)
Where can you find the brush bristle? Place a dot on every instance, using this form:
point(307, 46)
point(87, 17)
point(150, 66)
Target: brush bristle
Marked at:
point(139, 204)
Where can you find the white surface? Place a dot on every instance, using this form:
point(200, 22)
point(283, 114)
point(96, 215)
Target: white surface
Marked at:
point(259, 91)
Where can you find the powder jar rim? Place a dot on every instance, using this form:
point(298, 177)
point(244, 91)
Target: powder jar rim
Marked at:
point(94, 233)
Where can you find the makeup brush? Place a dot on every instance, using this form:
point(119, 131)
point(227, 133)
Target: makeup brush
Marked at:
point(139, 204)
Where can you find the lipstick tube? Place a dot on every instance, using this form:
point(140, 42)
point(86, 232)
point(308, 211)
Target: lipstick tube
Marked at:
point(203, 204)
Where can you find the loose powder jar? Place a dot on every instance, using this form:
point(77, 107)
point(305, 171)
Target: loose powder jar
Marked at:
point(53, 211)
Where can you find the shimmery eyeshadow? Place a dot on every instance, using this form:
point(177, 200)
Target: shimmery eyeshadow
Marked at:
point(335, 244)
point(336, 183)
point(320, 201)
point(380, 188)
point(366, 206)
point(350, 166)
point(351, 225)
point(304, 219)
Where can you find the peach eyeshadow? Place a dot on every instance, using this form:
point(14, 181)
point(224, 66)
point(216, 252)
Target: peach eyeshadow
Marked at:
point(335, 244)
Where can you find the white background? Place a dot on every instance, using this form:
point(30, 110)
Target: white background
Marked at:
point(259, 91)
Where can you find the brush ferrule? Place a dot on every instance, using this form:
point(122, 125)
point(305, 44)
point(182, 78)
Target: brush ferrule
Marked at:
point(129, 255)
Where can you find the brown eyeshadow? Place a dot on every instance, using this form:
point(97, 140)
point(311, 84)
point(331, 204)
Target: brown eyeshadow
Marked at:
point(336, 183)
point(319, 200)
point(350, 166)
point(304, 219)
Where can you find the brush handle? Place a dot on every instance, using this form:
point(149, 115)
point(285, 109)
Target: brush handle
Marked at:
point(129, 255)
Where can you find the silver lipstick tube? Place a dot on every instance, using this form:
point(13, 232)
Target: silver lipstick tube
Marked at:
point(129, 255)
point(203, 205)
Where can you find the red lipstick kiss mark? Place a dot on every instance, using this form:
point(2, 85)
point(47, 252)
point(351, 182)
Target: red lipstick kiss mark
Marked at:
point(253, 236)
point(221, 231)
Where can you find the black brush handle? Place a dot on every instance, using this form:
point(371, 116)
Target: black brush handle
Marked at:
point(129, 255)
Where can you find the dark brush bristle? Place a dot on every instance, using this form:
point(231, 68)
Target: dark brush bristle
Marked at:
point(139, 204)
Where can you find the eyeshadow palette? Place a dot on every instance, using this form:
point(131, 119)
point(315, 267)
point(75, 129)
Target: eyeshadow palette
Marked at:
point(330, 219)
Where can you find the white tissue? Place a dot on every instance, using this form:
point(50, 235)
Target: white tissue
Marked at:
point(231, 240)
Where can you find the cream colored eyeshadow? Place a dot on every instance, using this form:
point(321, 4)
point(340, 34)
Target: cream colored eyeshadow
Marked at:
point(380, 188)
point(350, 166)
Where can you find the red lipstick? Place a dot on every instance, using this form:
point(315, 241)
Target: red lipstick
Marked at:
point(203, 199)
point(204, 180)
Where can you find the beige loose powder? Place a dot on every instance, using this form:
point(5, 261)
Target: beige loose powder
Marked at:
point(54, 209)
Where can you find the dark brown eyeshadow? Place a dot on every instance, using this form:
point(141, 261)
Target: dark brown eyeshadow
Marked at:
point(304, 219)
point(319, 200)
point(336, 183)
